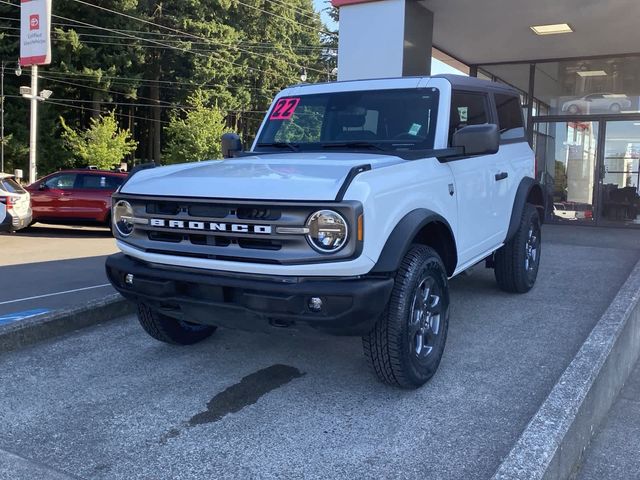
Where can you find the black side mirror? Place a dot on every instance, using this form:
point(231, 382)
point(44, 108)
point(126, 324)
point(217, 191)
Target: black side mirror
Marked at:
point(231, 145)
point(43, 187)
point(478, 139)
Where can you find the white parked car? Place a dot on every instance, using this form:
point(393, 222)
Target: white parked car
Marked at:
point(597, 103)
point(355, 206)
point(15, 205)
point(560, 211)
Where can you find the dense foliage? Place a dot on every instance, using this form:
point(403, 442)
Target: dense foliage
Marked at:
point(104, 144)
point(150, 60)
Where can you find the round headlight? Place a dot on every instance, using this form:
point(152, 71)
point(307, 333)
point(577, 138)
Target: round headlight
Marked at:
point(328, 231)
point(123, 218)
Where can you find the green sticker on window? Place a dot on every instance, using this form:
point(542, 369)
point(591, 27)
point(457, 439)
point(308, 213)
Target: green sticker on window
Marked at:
point(415, 129)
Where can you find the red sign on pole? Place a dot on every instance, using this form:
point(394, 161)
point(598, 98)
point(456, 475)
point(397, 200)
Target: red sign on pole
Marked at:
point(35, 32)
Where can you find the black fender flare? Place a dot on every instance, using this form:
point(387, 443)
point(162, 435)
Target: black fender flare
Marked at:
point(403, 236)
point(528, 187)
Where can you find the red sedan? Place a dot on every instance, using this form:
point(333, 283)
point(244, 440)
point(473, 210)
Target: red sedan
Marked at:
point(75, 196)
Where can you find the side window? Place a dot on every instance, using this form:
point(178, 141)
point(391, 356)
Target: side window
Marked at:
point(510, 120)
point(99, 182)
point(63, 181)
point(467, 109)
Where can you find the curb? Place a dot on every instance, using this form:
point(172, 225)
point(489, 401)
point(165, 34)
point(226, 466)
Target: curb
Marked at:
point(552, 444)
point(42, 327)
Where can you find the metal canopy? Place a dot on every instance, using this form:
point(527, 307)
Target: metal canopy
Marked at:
point(495, 31)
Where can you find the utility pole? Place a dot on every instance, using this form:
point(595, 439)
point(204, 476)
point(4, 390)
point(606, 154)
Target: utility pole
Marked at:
point(33, 133)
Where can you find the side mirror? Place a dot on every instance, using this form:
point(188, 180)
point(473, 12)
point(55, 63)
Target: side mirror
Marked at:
point(42, 187)
point(478, 139)
point(231, 145)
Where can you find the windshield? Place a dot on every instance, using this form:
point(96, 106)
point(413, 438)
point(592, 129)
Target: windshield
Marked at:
point(385, 120)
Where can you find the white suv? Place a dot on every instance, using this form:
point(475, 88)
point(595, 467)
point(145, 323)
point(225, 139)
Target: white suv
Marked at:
point(356, 204)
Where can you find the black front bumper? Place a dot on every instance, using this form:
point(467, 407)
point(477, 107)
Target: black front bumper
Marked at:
point(351, 306)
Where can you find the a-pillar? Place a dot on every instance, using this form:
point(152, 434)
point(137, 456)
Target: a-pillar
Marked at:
point(384, 38)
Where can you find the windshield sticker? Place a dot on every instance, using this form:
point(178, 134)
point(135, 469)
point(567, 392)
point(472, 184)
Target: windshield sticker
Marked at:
point(415, 129)
point(285, 108)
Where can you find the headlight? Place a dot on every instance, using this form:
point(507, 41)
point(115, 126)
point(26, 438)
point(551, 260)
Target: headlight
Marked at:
point(123, 218)
point(328, 231)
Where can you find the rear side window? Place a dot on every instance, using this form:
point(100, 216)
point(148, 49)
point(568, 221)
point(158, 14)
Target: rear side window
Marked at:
point(11, 186)
point(467, 109)
point(510, 120)
point(99, 182)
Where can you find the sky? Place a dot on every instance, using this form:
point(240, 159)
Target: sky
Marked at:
point(436, 65)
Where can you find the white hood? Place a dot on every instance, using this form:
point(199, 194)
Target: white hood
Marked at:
point(286, 176)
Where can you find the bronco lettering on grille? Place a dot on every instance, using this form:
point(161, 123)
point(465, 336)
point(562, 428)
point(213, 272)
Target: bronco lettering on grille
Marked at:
point(211, 226)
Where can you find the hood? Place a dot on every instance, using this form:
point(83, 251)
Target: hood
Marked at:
point(287, 176)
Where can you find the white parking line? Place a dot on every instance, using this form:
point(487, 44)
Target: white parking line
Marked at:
point(54, 294)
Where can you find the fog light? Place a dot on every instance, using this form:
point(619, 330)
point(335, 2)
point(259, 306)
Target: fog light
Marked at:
point(128, 279)
point(315, 304)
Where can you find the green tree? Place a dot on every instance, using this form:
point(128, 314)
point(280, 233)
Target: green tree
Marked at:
point(194, 134)
point(104, 144)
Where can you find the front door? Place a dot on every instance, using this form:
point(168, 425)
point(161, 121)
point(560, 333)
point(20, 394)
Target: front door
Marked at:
point(619, 177)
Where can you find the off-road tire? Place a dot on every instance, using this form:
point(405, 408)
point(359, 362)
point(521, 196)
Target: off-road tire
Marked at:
point(389, 348)
point(170, 330)
point(513, 273)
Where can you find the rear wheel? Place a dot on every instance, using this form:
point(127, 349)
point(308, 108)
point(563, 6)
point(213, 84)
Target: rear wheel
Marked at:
point(518, 261)
point(406, 345)
point(170, 330)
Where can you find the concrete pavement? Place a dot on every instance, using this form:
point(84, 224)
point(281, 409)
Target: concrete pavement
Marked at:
point(109, 402)
point(47, 268)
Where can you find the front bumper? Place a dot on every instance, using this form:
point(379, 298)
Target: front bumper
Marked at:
point(351, 306)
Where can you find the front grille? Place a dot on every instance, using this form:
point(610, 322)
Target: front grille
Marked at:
point(230, 230)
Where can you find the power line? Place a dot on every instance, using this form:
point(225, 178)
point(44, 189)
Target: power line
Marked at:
point(141, 20)
point(141, 39)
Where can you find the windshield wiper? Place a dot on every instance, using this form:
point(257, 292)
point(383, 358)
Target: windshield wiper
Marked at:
point(369, 145)
point(291, 146)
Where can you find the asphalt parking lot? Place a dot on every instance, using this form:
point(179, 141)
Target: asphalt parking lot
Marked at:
point(46, 268)
point(111, 403)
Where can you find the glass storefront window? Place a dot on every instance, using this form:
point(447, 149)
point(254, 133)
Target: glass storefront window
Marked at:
point(566, 154)
point(585, 87)
point(621, 173)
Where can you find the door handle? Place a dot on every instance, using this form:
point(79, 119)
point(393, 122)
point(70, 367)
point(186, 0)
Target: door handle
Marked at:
point(501, 176)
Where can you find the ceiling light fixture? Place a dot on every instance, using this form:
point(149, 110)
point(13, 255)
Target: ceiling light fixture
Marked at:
point(554, 29)
point(592, 73)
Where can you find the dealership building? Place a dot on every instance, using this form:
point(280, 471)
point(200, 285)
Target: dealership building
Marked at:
point(576, 64)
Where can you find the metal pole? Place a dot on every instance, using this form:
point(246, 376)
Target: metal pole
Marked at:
point(33, 140)
point(2, 119)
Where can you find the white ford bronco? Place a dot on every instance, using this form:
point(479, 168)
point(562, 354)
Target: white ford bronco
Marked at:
point(356, 204)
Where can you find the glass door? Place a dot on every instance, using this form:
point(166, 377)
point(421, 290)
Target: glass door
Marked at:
point(619, 174)
point(566, 157)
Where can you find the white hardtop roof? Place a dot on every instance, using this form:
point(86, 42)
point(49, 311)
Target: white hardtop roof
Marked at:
point(456, 81)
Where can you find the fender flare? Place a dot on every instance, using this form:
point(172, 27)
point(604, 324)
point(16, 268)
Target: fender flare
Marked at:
point(527, 187)
point(402, 237)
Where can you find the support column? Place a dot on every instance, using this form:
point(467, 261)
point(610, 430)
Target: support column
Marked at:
point(384, 38)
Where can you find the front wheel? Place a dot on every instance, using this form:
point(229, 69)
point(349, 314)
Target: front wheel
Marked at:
point(518, 261)
point(170, 330)
point(406, 345)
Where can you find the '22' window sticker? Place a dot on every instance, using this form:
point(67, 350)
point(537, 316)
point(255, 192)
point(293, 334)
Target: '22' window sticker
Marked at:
point(285, 108)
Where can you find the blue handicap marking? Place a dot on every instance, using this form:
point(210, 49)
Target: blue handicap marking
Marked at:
point(16, 317)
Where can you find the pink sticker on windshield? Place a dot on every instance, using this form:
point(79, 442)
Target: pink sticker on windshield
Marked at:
point(285, 108)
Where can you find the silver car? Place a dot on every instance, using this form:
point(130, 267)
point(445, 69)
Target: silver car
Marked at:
point(15, 205)
point(597, 103)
